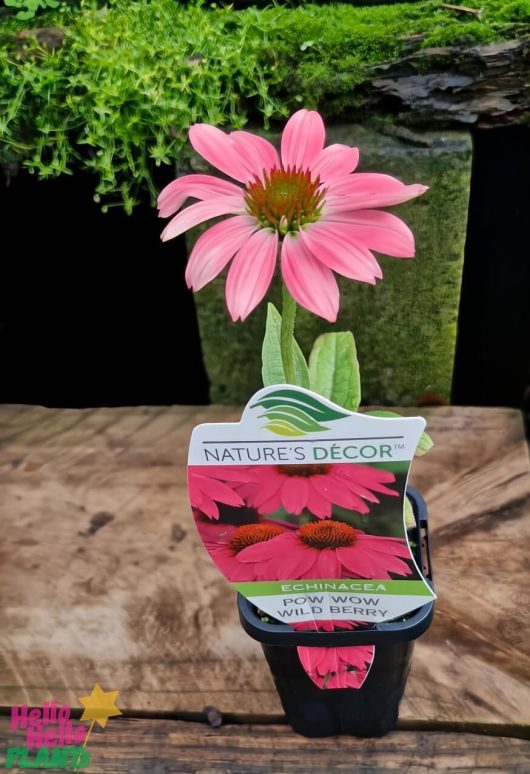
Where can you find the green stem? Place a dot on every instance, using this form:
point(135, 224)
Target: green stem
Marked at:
point(286, 335)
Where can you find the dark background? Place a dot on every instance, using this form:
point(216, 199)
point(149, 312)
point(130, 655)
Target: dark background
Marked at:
point(94, 310)
point(493, 349)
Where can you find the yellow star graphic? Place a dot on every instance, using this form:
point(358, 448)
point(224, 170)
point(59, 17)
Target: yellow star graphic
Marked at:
point(99, 706)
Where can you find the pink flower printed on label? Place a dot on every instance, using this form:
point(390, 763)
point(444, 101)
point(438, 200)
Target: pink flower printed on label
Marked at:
point(328, 549)
point(209, 485)
point(224, 542)
point(315, 488)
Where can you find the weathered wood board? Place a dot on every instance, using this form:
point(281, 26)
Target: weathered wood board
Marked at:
point(102, 577)
point(156, 746)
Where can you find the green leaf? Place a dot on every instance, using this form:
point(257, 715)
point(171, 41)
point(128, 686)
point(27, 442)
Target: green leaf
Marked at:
point(272, 367)
point(410, 519)
point(334, 369)
point(425, 443)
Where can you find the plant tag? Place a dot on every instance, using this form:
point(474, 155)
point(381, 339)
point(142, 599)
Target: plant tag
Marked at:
point(301, 505)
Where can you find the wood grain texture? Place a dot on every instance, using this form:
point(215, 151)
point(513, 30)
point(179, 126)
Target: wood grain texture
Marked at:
point(103, 578)
point(159, 746)
point(487, 85)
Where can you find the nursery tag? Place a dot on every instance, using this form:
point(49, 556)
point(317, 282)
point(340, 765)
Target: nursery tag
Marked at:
point(301, 505)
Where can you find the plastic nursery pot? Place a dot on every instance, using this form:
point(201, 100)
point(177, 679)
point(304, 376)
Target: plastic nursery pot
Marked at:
point(371, 710)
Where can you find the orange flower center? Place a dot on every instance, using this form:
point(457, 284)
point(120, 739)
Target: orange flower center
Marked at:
point(327, 534)
point(285, 200)
point(249, 534)
point(303, 470)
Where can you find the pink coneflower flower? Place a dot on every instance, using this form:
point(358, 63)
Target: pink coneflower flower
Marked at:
point(305, 200)
point(316, 487)
point(207, 487)
point(225, 541)
point(328, 549)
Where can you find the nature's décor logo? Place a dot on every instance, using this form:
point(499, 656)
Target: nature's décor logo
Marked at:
point(53, 740)
point(293, 413)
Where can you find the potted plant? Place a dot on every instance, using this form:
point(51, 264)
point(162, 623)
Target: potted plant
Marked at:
point(283, 505)
point(366, 709)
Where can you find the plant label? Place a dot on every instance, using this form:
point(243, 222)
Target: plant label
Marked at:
point(301, 505)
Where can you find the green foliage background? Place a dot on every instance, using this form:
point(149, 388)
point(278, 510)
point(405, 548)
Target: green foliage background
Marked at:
point(118, 97)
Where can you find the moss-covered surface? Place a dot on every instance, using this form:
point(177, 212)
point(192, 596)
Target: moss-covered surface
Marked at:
point(405, 327)
point(118, 97)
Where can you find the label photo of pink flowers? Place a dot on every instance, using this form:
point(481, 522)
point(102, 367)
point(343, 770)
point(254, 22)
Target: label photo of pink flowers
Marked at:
point(290, 522)
point(307, 521)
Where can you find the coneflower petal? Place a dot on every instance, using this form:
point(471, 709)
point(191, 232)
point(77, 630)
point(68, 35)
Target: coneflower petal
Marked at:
point(309, 282)
point(302, 139)
point(201, 211)
point(377, 230)
point(215, 247)
point(349, 259)
point(251, 273)
point(173, 196)
point(335, 161)
point(364, 190)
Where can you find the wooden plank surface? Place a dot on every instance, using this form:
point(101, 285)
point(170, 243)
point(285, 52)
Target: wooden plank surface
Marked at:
point(156, 746)
point(102, 577)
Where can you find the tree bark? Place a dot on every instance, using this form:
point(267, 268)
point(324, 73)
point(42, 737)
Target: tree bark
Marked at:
point(485, 85)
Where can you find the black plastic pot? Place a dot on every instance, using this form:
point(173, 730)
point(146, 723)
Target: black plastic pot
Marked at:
point(371, 710)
